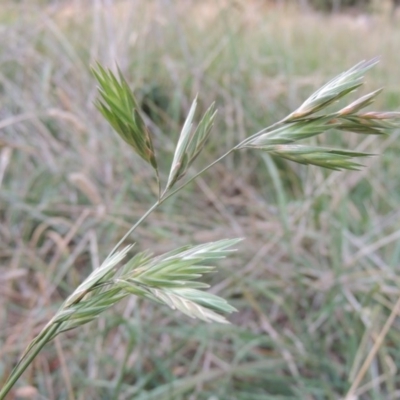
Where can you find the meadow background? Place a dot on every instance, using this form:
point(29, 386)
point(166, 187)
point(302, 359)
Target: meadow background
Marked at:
point(318, 274)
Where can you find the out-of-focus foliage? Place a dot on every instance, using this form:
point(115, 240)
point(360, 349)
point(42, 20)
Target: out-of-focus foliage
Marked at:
point(336, 5)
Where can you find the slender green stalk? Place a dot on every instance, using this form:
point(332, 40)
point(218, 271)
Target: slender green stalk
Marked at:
point(26, 361)
point(255, 135)
point(165, 196)
point(133, 227)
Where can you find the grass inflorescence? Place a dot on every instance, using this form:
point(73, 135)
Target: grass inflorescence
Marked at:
point(314, 284)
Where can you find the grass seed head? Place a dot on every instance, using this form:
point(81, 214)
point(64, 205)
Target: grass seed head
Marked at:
point(334, 159)
point(334, 90)
point(119, 107)
point(191, 142)
point(301, 124)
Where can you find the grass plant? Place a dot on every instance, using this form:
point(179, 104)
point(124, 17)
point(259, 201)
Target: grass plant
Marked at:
point(170, 278)
point(315, 283)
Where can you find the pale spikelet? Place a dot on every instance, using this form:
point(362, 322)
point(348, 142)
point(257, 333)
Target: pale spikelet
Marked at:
point(191, 142)
point(359, 104)
point(335, 89)
point(179, 299)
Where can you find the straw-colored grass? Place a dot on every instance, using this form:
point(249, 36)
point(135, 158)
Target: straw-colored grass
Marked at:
point(316, 281)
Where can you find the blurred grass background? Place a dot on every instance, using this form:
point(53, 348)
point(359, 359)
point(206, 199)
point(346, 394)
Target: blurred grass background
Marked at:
point(316, 278)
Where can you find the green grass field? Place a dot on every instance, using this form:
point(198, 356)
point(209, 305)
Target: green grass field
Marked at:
point(317, 277)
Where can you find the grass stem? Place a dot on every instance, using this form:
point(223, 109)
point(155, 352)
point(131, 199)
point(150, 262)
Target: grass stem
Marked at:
point(26, 361)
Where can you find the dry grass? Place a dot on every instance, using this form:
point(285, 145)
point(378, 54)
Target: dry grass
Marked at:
point(317, 277)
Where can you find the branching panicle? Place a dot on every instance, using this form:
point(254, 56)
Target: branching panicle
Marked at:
point(305, 123)
point(172, 278)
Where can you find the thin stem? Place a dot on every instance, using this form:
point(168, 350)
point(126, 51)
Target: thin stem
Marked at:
point(167, 196)
point(133, 227)
point(162, 199)
point(254, 135)
point(25, 362)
